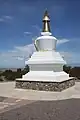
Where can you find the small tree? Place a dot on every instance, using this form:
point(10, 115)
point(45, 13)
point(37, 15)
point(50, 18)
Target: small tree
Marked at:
point(19, 70)
point(26, 70)
point(66, 68)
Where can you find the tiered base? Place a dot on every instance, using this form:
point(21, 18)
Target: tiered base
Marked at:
point(45, 86)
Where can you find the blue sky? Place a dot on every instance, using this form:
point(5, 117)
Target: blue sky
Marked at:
point(21, 21)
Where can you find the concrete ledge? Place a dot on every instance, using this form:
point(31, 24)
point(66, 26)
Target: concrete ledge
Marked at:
point(45, 86)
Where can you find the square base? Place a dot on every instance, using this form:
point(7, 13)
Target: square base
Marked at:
point(45, 86)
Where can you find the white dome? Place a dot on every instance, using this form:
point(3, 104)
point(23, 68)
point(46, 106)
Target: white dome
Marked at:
point(46, 42)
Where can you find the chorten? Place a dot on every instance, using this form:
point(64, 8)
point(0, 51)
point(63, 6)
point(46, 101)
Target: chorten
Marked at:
point(46, 65)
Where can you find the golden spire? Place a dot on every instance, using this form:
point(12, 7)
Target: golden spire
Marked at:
point(46, 20)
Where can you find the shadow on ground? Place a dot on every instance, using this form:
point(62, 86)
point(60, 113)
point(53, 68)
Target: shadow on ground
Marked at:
point(2, 98)
point(45, 110)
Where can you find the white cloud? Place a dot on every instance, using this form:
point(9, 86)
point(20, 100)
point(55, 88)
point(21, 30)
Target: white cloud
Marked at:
point(62, 41)
point(17, 56)
point(20, 58)
point(75, 57)
point(37, 28)
point(27, 48)
point(27, 33)
point(1, 20)
point(5, 18)
point(66, 56)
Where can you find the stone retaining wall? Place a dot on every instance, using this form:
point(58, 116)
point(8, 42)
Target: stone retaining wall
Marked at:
point(45, 86)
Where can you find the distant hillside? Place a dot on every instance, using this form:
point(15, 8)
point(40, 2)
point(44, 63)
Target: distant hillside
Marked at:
point(74, 65)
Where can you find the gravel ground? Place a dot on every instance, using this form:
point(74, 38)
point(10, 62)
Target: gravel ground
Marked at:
point(44, 110)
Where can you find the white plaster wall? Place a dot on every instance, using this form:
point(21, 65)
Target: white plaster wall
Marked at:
point(46, 67)
point(46, 44)
point(46, 57)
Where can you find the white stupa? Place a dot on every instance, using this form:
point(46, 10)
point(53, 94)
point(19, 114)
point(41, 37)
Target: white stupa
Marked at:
point(46, 65)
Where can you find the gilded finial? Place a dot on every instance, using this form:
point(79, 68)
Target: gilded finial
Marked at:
point(46, 20)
